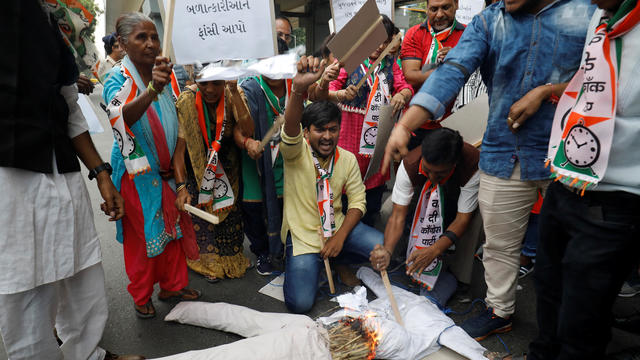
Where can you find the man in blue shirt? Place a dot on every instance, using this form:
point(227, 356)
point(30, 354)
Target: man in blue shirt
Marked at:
point(526, 50)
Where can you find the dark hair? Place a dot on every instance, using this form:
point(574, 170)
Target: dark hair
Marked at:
point(108, 41)
point(282, 47)
point(282, 17)
point(389, 26)
point(320, 113)
point(324, 51)
point(442, 146)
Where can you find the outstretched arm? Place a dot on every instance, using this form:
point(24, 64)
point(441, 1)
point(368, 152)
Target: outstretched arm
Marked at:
point(309, 71)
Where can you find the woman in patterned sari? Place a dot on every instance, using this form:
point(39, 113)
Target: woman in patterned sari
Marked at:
point(141, 94)
point(207, 169)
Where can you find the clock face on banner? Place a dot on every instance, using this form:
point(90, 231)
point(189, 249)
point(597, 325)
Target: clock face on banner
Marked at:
point(370, 136)
point(220, 189)
point(582, 147)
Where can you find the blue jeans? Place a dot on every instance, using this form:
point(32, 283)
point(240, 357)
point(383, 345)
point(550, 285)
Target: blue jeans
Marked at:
point(302, 271)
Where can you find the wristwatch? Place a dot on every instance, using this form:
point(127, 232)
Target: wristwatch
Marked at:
point(100, 168)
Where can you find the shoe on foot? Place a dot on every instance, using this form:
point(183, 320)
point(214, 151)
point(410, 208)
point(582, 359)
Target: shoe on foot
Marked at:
point(525, 270)
point(629, 290)
point(485, 324)
point(263, 265)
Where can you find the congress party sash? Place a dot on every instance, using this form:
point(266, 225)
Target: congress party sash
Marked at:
point(379, 95)
point(583, 124)
point(215, 187)
point(436, 41)
point(325, 194)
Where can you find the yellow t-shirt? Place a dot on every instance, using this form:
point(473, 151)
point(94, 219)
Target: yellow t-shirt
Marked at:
point(300, 214)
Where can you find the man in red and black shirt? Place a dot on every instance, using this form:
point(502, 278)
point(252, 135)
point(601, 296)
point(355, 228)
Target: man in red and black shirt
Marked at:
point(428, 43)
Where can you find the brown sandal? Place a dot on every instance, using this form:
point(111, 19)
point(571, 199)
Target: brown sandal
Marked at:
point(182, 295)
point(146, 311)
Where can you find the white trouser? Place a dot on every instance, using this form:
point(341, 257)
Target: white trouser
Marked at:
point(505, 205)
point(76, 307)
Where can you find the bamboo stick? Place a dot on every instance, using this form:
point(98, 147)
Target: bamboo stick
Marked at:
point(392, 299)
point(395, 41)
point(168, 29)
point(202, 214)
point(277, 124)
point(327, 267)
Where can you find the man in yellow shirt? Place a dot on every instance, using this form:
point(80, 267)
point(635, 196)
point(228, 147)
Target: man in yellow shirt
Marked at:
point(316, 172)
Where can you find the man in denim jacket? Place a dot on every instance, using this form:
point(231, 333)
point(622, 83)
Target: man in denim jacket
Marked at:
point(526, 50)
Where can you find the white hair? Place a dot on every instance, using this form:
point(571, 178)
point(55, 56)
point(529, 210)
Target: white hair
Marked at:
point(126, 23)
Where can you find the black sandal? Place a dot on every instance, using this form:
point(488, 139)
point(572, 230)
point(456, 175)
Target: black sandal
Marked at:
point(150, 311)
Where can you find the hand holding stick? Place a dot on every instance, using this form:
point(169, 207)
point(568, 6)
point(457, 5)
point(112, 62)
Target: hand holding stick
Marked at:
point(392, 299)
point(327, 267)
point(277, 124)
point(387, 50)
point(202, 214)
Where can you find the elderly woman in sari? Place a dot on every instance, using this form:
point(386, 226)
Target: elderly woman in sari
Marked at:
point(209, 176)
point(141, 94)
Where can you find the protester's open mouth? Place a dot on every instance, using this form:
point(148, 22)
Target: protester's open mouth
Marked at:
point(327, 146)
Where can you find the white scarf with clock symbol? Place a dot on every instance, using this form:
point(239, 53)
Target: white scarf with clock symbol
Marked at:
point(379, 95)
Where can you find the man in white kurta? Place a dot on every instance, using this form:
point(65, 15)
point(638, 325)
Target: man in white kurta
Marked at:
point(50, 262)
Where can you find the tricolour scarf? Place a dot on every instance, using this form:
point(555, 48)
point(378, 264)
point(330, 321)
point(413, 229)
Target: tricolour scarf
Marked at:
point(215, 187)
point(379, 95)
point(161, 146)
point(325, 194)
point(427, 227)
point(436, 41)
point(274, 109)
point(584, 121)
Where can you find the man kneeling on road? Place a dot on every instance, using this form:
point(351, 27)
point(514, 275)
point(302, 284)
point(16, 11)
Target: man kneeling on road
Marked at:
point(446, 169)
point(315, 159)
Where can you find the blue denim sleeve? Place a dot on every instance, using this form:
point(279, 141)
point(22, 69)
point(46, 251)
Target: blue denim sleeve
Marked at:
point(445, 82)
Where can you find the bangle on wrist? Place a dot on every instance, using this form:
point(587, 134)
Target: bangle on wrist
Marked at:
point(244, 143)
point(180, 187)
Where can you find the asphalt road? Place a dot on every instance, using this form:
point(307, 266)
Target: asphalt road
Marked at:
point(126, 334)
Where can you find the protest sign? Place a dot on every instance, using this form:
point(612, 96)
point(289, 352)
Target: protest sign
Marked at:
point(359, 37)
point(467, 9)
point(344, 10)
point(385, 125)
point(223, 30)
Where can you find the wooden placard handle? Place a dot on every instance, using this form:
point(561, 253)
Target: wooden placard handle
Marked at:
point(396, 39)
point(327, 267)
point(277, 124)
point(168, 29)
point(392, 299)
point(202, 214)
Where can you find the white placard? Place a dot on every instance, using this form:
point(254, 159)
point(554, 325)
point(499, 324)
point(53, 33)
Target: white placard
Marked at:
point(223, 29)
point(89, 114)
point(344, 10)
point(467, 9)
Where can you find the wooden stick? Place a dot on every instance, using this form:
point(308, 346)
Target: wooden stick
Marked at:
point(277, 124)
point(168, 29)
point(202, 214)
point(327, 267)
point(395, 41)
point(392, 299)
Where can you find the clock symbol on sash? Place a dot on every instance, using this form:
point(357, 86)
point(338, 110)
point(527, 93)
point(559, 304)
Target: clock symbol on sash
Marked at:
point(370, 136)
point(220, 189)
point(130, 146)
point(581, 147)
